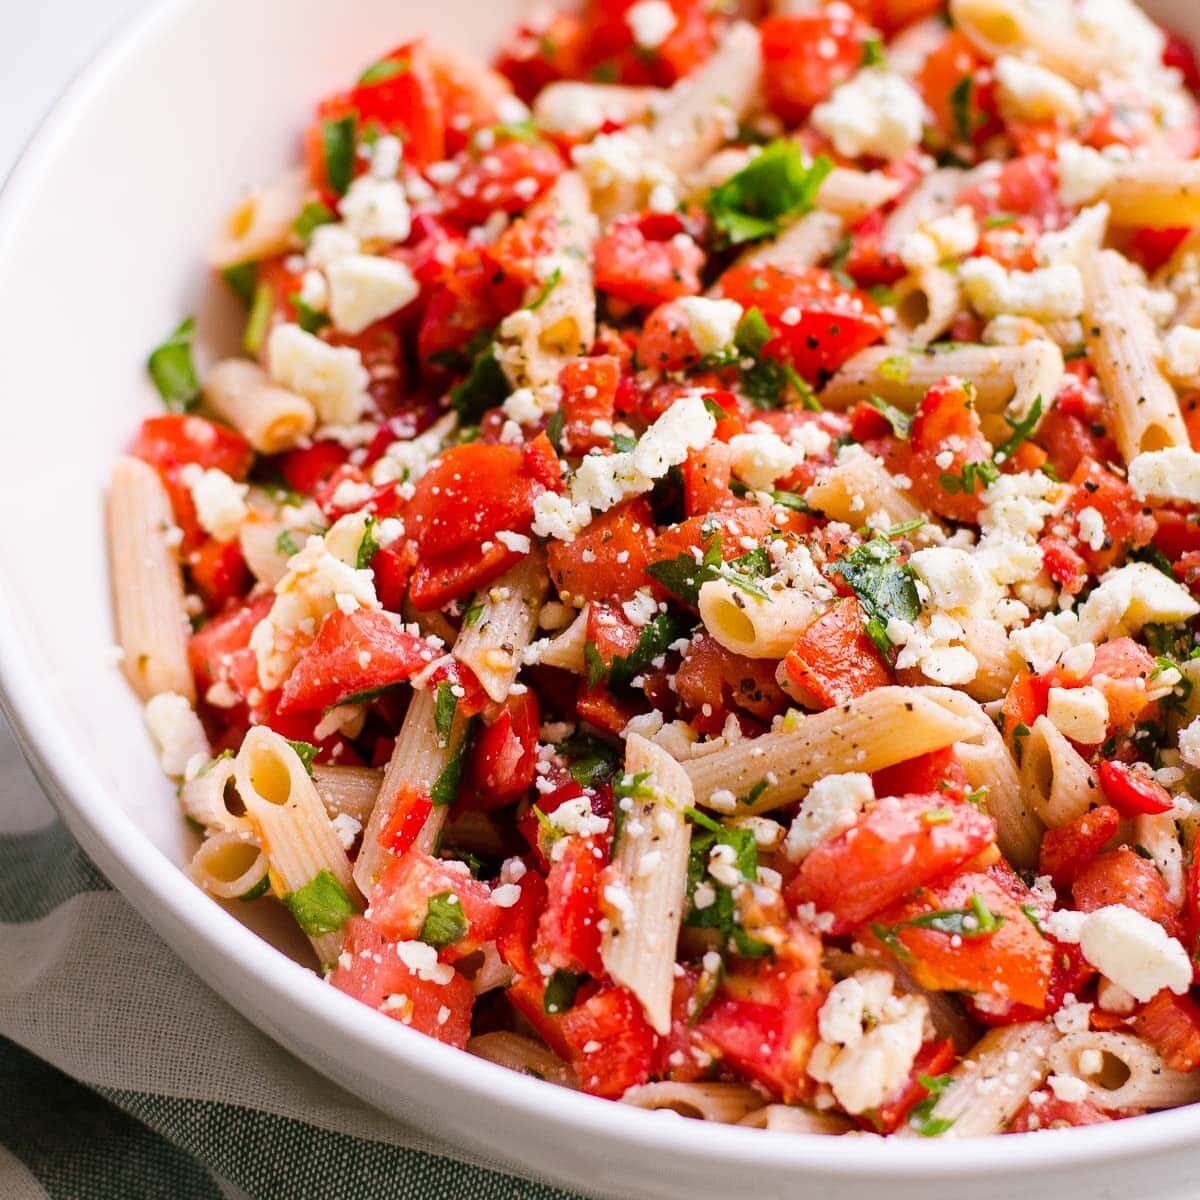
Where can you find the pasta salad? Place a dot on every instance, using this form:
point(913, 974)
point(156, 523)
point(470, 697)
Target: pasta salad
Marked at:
point(690, 589)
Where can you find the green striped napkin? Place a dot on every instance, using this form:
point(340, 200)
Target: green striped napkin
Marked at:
point(123, 1077)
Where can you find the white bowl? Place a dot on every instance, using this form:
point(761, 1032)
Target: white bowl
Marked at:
point(102, 231)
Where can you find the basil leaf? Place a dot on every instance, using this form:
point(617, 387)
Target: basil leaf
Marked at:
point(368, 546)
point(337, 143)
point(445, 922)
point(885, 588)
point(1021, 432)
point(900, 421)
point(242, 279)
point(383, 70)
point(259, 318)
point(321, 906)
point(561, 989)
point(921, 1118)
point(778, 183)
point(653, 641)
point(311, 320)
point(683, 576)
point(444, 708)
point(314, 213)
point(445, 787)
point(752, 333)
point(170, 366)
point(484, 387)
point(306, 752)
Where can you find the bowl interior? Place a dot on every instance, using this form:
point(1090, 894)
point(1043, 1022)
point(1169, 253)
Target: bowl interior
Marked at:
point(102, 235)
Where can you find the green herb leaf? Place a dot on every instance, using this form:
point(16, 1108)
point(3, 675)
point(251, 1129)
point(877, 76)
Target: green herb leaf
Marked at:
point(590, 761)
point(306, 752)
point(683, 576)
point(721, 914)
point(383, 70)
point(445, 787)
point(311, 320)
point(778, 183)
point(976, 920)
point(259, 889)
point(552, 281)
point(337, 143)
point(170, 366)
point(885, 588)
point(561, 989)
point(321, 906)
point(242, 279)
point(286, 544)
point(445, 922)
point(872, 52)
point(961, 96)
point(554, 429)
point(368, 546)
point(887, 935)
point(1021, 431)
point(752, 333)
point(596, 670)
point(314, 213)
point(921, 1118)
point(900, 421)
point(654, 639)
point(444, 708)
point(484, 387)
point(973, 474)
point(259, 318)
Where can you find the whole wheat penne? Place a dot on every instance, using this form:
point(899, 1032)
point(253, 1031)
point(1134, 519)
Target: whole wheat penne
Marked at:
point(298, 838)
point(348, 790)
point(1131, 1072)
point(269, 417)
point(522, 1054)
point(1125, 350)
point(644, 901)
point(886, 726)
point(152, 620)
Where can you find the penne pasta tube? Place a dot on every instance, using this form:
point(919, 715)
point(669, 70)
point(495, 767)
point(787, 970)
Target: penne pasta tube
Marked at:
point(265, 549)
point(229, 866)
point(988, 1087)
point(788, 1118)
point(1155, 193)
point(500, 624)
point(522, 1054)
point(1131, 1073)
point(858, 487)
point(852, 194)
point(703, 108)
point(926, 303)
point(747, 624)
point(152, 620)
point(212, 801)
point(269, 417)
point(724, 1103)
point(566, 649)
point(1125, 351)
point(347, 790)
point(805, 243)
point(262, 224)
point(999, 663)
point(933, 197)
point(868, 733)
point(1158, 835)
point(1056, 782)
point(581, 109)
point(645, 898)
point(309, 869)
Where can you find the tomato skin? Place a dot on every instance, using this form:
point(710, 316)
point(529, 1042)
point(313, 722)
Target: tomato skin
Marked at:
point(305, 469)
point(175, 440)
point(219, 650)
point(799, 70)
point(495, 182)
point(1014, 963)
point(1171, 1024)
point(834, 660)
point(608, 559)
point(633, 265)
point(518, 924)
point(1063, 563)
point(1065, 851)
point(1127, 523)
point(330, 669)
point(707, 474)
point(717, 679)
point(407, 104)
point(589, 387)
point(610, 1043)
point(933, 1059)
point(946, 420)
point(219, 572)
point(569, 929)
point(889, 851)
point(504, 754)
point(1056, 1114)
point(948, 64)
point(834, 322)
point(410, 811)
point(1026, 186)
point(666, 343)
point(1122, 877)
point(469, 92)
point(1132, 794)
point(938, 771)
point(400, 901)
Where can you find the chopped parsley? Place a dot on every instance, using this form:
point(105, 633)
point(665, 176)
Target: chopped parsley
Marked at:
point(975, 920)
point(445, 787)
point(683, 576)
point(383, 70)
point(445, 922)
point(921, 1119)
point(242, 278)
point(444, 708)
point(552, 281)
point(1021, 432)
point(775, 185)
point(885, 587)
point(368, 546)
point(321, 906)
point(900, 421)
point(561, 989)
point(590, 761)
point(314, 213)
point(721, 912)
point(484, 387)
point(171, 367)
point(961, 97)
point(973, 474)
point(655, 637)
point(258, 319)
point(306, 752)
point(337, 145)
point(286, 544)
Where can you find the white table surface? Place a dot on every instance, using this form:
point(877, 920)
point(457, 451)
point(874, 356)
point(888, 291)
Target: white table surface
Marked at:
point(43, 44)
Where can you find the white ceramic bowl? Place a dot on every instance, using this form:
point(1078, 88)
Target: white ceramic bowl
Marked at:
point(102, 231)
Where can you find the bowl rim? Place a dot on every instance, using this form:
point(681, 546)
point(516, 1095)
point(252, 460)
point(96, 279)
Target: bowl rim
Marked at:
point(158, 889)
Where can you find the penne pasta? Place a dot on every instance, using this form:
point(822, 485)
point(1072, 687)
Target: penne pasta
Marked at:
point(351, 791)
point(1155, 194)
point(724, 1103)
point(852, 194)
point(269, 417)
point(858, 489)
point(229, 866)
point(1130, 1072)
point(1056, 782)
point(933, 197)
point(262, 224)
point(522, 1054)
point(926, 304)
point(746, 624)
point(788, 1118)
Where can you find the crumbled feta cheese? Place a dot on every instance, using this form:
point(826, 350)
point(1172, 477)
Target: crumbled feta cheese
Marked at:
point(711, 323)
point(1181, 353)
point(220, 501)
point(331, 377)
point(422, 961)
point(877, 113)
point(1079, 713)
point(386, 154)
point(949, 236)
point(347, 829)
point(328, 243)
point(1041, 644)
point(558, 516)
point(1029, 92)
point(1083, 173)
point(1074, 244)
point(831, 807)
point(314, 291)
point(365, 288)
point(651, 22)
point(1134, 952)
point(182, 744)
point(1189, 744)
point(758, 459)
point(1125, 599)
point(518, 543)
point(376, 210)
point(1170, 474)
point(1068, 1088)
point(1091, 528)
point(1048, 293)
point(956, 581)
point(576, 817)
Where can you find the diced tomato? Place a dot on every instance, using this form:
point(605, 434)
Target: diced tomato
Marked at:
point(527, 996)
point(355, 652)
point(504, 753)
point(1130, 793)
point(219, 572)
point(868, 263)
point(892, 849)
point(834, 323)
point(174, 440)
point(666, 342)
point(400, 902)
point(946, 422)
point(633, 265)
point(1063, 563)
point(1178, 53)
point(374, 973)
point(939, 772)
point(219, 650)
point(1127, 522)
point(404, 99)
point(1053, 1113)
point(1178, 532)
point(1171, 1024)
point(957, 86)
point(392, 566)
point(471, 94)
point(519, 922)
point(611, 632)
point(1123, 877)
point(1065, 851)
point(409, 814)
point(1120, 670)
point(834, 660)
point(1026, 186)
point(599, 707)
point(569, 929)
point(611, 53)
point(589, 387)
point(712, 681)
point(763, 1021)
point(806, 56)
point(893, 15)
point(508, 178)
point(611, 1043)
point(707, 474)
point(1013, 962)
point(608, 559)
point(933, 1059)
point(305, 469)
point(680, 1055)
